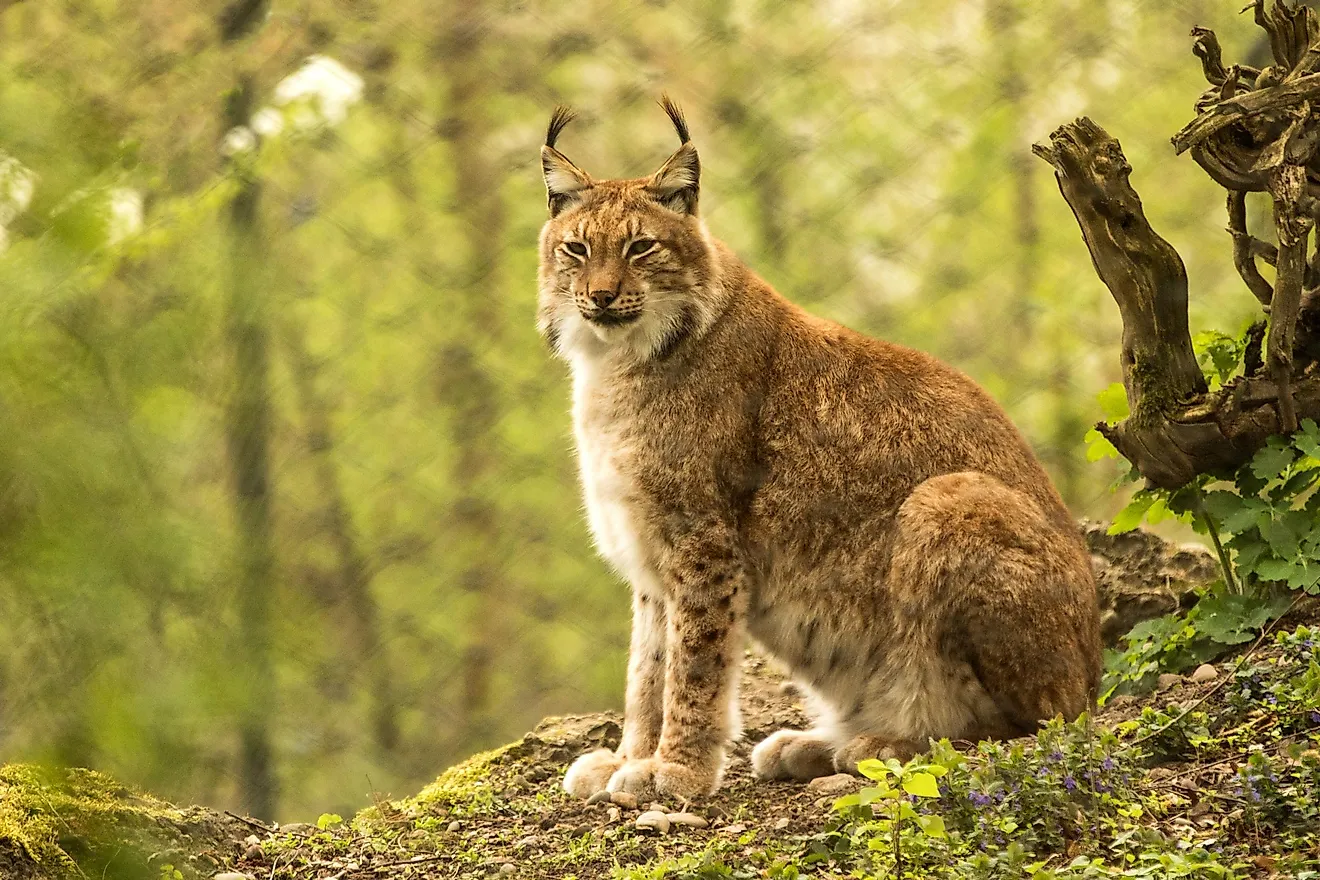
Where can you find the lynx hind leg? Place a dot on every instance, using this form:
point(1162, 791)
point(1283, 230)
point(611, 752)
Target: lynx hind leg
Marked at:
point(996, 585)
point(794, 754)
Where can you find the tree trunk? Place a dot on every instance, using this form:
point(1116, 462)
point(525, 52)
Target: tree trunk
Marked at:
point(466, 385)
point(352, 602)
point(248, 438)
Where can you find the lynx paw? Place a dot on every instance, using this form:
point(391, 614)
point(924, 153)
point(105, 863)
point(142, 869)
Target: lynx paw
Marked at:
point(793, 754)
point(591, 772)
point(652, 777)
point(860, 748)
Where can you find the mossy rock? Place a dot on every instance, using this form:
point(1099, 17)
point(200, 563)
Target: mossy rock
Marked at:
point(57, 824)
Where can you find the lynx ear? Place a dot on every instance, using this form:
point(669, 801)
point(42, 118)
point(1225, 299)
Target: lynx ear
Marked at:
point(677, 182)
point(564, 181)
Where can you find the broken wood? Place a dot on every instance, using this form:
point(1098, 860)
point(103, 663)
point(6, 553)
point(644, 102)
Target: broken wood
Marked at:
point(1254, 132)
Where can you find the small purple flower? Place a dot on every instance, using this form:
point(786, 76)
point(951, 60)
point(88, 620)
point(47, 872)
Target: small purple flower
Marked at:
point(1107, 764)
point(978, 799)
point(1055, 756)
point(1315, 716)
point(1070, 783)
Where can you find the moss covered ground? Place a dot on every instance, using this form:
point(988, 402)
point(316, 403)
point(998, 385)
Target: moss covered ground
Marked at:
point(1217, 779)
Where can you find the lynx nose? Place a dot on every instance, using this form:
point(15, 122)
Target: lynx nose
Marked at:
point(602, 298)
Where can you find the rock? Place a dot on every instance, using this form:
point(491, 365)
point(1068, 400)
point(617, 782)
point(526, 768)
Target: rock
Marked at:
point(507, 868)
point(297, 828)
point(654, 820)
point(252, 840)
point(781, 824)
point(581, 829)
point(1205, 672)
point(839, 783)
point(600, 797)
point(1140, 576)
point(656, 808)
point(253, 853)
point(625, 799)
point(231, 875)
point(790, 690)
point(455, 826)
point(613, 814)
point(1168, 680)
point(691, 820)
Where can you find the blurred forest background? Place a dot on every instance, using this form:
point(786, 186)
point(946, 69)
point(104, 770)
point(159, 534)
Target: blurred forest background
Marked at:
point(288, 505)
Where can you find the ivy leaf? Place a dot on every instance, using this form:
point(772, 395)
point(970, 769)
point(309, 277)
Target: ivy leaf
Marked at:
point(921, 785)
point(1279, 534)
point(1098, 446)
point(1114, 403)
point(1275, 569)
point(1307, 440)
point(1305, 576)
point(1271, 461)
point(1130, 516)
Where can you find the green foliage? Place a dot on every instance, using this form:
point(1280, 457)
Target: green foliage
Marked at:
point(1263, 521)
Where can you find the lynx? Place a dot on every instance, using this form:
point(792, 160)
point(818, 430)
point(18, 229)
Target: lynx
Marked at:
point(867, 514)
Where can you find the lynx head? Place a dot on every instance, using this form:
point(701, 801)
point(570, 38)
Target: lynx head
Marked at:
point(626, 265)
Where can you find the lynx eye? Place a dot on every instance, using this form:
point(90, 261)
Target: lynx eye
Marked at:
point(576, 248)
point(641, 246)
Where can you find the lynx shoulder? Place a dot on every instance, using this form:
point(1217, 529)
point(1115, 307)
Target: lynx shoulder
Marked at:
point(866, 513)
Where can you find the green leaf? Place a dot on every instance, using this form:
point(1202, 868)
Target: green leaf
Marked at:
point(1130, 516)
point(873, 769)
point(921, 785)
point(1279, 534)
point(1114, 403)
point(1098, 446)
point(932, 826)
point(1307, 440)
point(328, 820)
point(1271, 461)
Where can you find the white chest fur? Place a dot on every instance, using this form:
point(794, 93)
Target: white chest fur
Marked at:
point(604, 456)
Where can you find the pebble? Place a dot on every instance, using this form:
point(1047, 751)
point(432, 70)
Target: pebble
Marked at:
point(839, 783)
point(508, 868)
point(254, 853)
point(781, 824)
point(600, 797)
point(1167, 680)
point(691, 820)
point(656, 808)
point(231, 875)
point(1205, 672)
point(789, 689)
point(613, 814)
point(655, 820)
point(252, 840)
point(625, 799)
point(538, 774)
point(455, 826)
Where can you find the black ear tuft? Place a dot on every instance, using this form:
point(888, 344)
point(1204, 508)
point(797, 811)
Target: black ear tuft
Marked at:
point(560, 118)
point(676, 117)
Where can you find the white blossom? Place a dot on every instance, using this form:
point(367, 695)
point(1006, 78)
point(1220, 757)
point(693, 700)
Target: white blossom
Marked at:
point(238, 139)
point(17, 185)
point(268, 122)
point(125, 207)
point(325, 86)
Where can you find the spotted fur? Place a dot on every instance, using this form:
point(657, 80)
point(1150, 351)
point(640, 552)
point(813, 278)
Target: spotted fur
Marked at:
point(865, 512)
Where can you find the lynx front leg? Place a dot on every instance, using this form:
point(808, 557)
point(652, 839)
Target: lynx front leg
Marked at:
point(643, 710)
point(706, 607)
